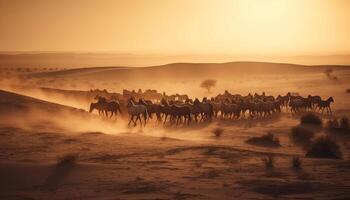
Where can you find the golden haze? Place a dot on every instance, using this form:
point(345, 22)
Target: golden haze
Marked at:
point(250, 27)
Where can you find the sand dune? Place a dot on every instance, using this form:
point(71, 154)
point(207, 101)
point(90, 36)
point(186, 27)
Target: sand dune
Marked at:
point(79, 60)
point(188, 70)
point(12, 102)
point(44, 118)
point(153, 163)
point(30, 114)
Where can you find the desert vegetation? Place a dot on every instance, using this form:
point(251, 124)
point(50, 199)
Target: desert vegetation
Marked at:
point(218, 132)
point(324, 147)
point(311, 119)
point(296, 162)
point(338, 125)
point(208, 84)
point(269, 161)
point(301, 135)
point(269, 140)
point(253, 134)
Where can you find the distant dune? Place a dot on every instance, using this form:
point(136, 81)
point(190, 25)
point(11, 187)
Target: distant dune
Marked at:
point(187, 71)
point(82, 60)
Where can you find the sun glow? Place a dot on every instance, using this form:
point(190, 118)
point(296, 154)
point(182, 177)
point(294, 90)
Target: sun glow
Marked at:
point(206, 26)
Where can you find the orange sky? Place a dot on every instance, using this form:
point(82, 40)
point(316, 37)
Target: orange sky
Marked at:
point(268, 27)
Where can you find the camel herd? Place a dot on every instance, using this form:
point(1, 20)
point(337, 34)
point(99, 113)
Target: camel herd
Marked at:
point(224, 106)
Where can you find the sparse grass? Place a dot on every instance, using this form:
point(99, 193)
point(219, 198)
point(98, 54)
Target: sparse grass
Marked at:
point(67, 159)
point(324, 147)
point(344, 123)
point(218, 132)
point(338, 126)
point(332, 124)
point(266, 140)
point(301, 135)
point(269, 161)
point(296, 162)
point(311, 119)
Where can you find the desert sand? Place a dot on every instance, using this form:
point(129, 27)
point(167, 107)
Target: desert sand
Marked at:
point(105, 159)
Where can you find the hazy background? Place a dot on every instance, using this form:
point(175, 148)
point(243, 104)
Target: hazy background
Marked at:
point(181, 30)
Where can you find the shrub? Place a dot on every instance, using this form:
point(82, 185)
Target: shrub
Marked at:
point(344, 123)
point(269, 161)
point(67, 159)
point(324, 147)
point(296, 162)
point(218, 132)
point(332, 123)
point(347, 90)
point(208, 84)
point(301, 135)
point(266, 140)
point(311, 119)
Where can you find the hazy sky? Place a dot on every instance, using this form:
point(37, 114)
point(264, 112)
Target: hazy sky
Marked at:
point(264, 27)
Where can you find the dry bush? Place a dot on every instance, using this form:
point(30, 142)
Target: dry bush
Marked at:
point(269, 161)
point(301, 135)
point(340, 126)
point(266, 140)
point(344, 123)
point(328, 72)
point(296, 162)
point(324, 147)
point(311, 119)
point(332, 124)
point(218, 132)
point(67, 159)
point(208, 84)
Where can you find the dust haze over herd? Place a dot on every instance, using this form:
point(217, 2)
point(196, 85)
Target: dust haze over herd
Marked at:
point(219, 157)
point(226, 99)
